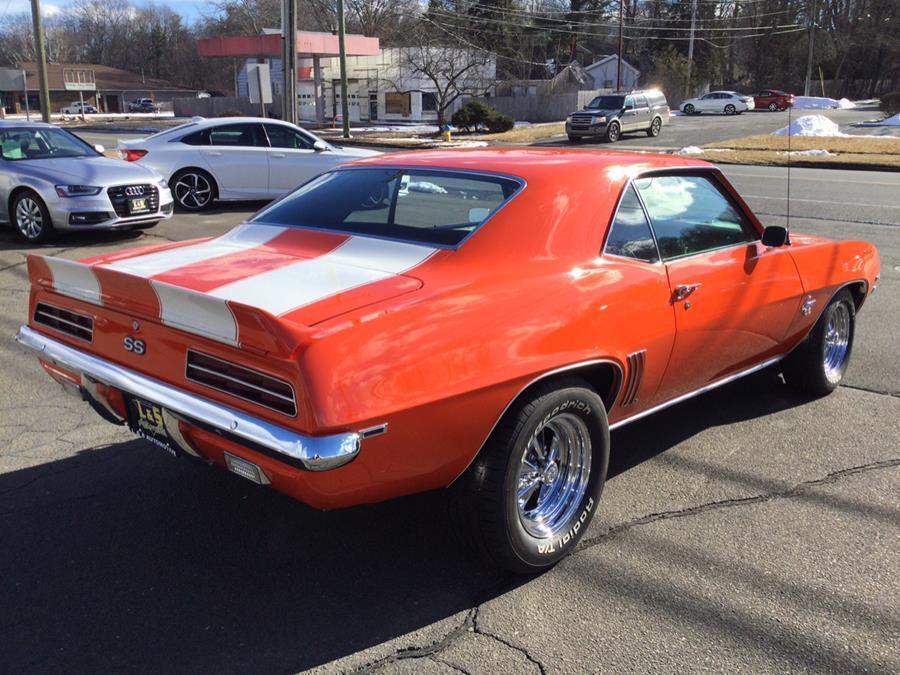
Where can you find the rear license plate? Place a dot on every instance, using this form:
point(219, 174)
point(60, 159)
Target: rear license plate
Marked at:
point(146, 420)
point(138, 205)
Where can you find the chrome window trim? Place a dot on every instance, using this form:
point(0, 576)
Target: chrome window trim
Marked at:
point(258, 217)
point(313, 453)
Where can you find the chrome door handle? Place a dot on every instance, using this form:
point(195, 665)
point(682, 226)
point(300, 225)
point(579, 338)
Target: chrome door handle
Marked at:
point(280, 155)
point(683, 291)
point(213, 153)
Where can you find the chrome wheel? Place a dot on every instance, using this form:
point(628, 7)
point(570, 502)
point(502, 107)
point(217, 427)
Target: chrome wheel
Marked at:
point(553, 475)
point(193, 190)
point(688, 109)
point(29, 218)
point(837, 342)
point(655, 126)
point(730, 109)
point(612, 134)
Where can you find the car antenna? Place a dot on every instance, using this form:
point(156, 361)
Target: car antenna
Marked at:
point(787, 224)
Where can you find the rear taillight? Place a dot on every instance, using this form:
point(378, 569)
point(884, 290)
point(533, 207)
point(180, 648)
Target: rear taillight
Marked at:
point(131, 155)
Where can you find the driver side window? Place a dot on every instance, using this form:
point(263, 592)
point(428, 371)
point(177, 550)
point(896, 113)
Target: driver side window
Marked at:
point(285, 137)
point(690, 214)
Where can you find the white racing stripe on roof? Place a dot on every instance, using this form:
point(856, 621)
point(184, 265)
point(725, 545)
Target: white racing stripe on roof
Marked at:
point(196, 312)
point(74, 279)
point(241, 238)
point(356, 262)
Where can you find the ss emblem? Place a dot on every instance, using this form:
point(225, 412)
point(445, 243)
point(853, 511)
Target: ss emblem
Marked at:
point(134, 345)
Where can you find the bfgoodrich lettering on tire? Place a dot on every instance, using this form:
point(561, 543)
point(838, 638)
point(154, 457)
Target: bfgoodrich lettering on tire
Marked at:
point(530, 495)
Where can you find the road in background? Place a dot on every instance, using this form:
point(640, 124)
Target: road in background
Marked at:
point(747, 530)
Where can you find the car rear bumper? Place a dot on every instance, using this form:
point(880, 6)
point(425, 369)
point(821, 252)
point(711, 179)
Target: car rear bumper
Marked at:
point(102, 384)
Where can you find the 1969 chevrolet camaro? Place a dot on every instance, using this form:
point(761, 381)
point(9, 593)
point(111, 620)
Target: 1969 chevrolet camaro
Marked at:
point(476, 319)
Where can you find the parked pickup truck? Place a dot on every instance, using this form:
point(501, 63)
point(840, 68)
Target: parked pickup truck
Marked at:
point(143, 105)
point(74, 108)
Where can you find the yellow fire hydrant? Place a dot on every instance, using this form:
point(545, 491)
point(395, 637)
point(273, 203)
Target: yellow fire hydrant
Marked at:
point(445, 133)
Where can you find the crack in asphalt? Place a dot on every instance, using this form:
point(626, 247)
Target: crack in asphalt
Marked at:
point(788, 493)
point(892, 394)
point(470, 622)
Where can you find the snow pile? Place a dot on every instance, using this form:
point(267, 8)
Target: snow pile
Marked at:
point(810, 125)
point(808, 153)
point(425, 186)
point(690, 150)
point(890, 121)
point(821, 102)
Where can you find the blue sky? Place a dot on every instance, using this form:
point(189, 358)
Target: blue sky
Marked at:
point(189, 9)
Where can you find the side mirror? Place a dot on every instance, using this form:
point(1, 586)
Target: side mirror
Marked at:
point(774, 236)
point(99, 148)
point(320, 146)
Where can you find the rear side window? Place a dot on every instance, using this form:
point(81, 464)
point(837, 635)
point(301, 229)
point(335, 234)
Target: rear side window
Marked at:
point(238, 135)
point(630, 235)
point(423, 206)
point(197, 138)
point(690, 214)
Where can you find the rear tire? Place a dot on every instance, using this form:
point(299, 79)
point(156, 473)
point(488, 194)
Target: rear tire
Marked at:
point(655, 127)
point(510, 504)
point(31, 218)
point(817, 365)
point(193, 189)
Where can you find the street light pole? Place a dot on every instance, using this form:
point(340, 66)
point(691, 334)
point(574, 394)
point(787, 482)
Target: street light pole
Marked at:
point(289, 60)
point(345, 104)
point(621, 45)
point(41, 55)
point(809, 56)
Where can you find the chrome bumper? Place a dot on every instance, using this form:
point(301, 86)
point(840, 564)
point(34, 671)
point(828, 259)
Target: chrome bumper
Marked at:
point(313, 453)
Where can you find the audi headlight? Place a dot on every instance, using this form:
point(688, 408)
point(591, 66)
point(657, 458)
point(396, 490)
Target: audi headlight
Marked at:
point(77, 190)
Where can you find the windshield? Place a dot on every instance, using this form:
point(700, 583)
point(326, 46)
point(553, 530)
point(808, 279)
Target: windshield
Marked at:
point(607, 103)
point(424, 206)
point(42, 143)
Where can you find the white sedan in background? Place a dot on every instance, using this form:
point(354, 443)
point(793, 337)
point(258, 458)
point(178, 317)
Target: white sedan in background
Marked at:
point(727, 102)
point(233, 158)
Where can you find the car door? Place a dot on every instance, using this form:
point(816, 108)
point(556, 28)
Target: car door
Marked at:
point(629, 114)
point(707, 102)
point(237, 156)
point(293, 158)
point(734, 299)
point(642, 112)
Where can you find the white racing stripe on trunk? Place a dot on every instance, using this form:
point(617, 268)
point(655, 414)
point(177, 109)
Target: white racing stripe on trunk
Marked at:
point(356, 262)
point(74, 279)
point(196, 312)
point(241, 238)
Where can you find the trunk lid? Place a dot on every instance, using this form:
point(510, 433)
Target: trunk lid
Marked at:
point(257, 286)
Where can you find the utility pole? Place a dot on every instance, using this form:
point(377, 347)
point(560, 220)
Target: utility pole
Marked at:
point(619, 63)
point(687, 92)
point(345, 104)
point(809, 57)
point(41, 54)
point(289, 60)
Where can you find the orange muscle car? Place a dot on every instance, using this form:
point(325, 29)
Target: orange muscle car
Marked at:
point(475, 319)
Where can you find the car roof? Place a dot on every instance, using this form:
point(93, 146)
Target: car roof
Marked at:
point(19, 124)
point(530, 163)
point(214, 121)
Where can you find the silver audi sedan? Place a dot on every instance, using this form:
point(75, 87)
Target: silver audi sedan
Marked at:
point(51, 180)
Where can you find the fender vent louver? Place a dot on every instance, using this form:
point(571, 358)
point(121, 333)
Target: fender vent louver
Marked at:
point(635, 377)
point(65, 321)
point(244, 383)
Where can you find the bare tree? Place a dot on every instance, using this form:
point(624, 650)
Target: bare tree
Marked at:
point(452, 72)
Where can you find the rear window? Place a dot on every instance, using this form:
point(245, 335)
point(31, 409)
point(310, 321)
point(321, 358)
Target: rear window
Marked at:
point(433, 207)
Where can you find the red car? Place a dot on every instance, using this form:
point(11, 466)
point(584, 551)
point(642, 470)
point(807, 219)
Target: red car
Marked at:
point(473, 320)
point(773, 99)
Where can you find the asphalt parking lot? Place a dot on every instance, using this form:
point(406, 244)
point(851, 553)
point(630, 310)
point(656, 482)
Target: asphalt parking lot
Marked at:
point(747, 530)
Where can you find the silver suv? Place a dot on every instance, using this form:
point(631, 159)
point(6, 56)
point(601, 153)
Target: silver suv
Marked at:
point(610, 115)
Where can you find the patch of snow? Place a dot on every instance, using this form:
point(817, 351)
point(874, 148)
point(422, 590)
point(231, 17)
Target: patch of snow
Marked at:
point(690, 150)
point(887, 122)
point(425, 186)
point(821, 102)
point(808, 153)
point(523, 124)
point(676, 113)
point(810, 125)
